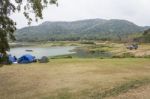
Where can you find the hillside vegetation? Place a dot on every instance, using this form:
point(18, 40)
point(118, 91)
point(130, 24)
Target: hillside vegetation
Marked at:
point(145, 37)
point(85, 29)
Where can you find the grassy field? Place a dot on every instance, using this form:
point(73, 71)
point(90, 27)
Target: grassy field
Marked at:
point(77, 79)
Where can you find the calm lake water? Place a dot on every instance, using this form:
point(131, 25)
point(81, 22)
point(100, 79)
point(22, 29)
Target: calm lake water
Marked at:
point(39, 52)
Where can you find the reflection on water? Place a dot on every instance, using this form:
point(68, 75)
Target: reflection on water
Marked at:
point(39, 52)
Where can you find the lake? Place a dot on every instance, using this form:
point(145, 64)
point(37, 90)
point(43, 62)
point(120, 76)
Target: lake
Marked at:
point(38, 52)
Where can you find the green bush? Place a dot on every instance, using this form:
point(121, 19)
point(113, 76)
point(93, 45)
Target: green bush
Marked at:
point(61, 57)
point(128, 55)
point(124, 55)
point(87, 42)
point(68, 56)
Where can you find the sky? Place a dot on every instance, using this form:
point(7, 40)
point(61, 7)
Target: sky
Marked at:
point(136, 11)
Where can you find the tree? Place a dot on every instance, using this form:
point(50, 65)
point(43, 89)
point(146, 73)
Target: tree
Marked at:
point(8, 26)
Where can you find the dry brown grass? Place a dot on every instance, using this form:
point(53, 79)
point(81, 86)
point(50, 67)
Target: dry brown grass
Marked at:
point(139, 93)
point(143, 50)
point(69, 78)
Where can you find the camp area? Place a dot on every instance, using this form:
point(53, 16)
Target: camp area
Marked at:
point(24, 59)
point(74, 49)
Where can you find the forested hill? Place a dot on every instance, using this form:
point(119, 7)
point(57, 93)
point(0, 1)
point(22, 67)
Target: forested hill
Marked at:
point(84, 29)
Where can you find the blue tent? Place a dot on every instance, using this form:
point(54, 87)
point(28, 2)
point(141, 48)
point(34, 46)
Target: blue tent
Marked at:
point(11, 59)
point(1, 55)
point(26, 59)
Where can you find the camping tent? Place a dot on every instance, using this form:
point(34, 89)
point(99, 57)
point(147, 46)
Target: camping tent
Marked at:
point(44, 59)
point(26, 59)
point(11, 59)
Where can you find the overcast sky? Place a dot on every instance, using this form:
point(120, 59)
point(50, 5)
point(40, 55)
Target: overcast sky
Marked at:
point(136, 11)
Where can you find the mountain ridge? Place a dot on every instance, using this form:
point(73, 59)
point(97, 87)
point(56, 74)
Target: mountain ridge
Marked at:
point(81, 29)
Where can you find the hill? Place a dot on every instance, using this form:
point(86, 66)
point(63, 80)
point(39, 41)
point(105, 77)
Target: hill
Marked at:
point(83, 29)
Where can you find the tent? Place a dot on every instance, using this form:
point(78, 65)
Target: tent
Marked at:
point(26, 59)
point(44, 59)
point(1, 55)
point(12, 59)
point(9, 59)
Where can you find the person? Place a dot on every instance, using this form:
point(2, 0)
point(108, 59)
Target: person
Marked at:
point(1, 56)
point(35, 60)
point(15, 58)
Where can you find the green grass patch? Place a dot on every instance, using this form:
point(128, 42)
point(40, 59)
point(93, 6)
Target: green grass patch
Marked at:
point(62, 56)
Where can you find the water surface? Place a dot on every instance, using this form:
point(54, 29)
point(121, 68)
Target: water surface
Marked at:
point(38, 52)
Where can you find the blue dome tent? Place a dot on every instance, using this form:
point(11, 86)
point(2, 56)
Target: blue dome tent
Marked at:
point(12, 59)
point(26, 59)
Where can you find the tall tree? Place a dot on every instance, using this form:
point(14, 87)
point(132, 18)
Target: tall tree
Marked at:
point(8, 26)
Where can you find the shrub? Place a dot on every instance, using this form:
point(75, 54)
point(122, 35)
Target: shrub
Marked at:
point(124, 55)
point(128, 55)
point(68, 56)
point(87, 42)
point(61, 57)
